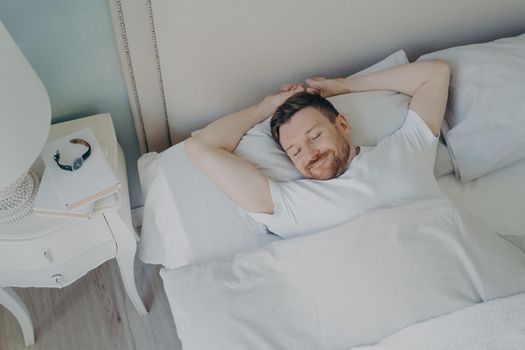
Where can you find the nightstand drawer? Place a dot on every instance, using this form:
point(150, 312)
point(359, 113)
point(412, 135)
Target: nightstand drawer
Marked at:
point(56, 248)
point(63, 274)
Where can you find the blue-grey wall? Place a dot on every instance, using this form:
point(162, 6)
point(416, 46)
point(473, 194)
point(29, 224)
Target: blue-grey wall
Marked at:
point(71, 46)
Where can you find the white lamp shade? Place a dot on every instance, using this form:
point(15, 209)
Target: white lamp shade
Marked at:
point(25, 112)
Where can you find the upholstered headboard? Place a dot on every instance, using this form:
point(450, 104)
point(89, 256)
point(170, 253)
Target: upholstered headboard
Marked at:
point(188, 62)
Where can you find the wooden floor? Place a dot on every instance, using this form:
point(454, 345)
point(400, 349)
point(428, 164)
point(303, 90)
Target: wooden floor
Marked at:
point(95, 313)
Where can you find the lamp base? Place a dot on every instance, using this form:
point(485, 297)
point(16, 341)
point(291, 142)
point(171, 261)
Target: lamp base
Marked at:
point(16, 200)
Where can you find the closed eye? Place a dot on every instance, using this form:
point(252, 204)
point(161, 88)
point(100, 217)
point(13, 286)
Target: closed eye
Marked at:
point(316, 136)
point(296, 153)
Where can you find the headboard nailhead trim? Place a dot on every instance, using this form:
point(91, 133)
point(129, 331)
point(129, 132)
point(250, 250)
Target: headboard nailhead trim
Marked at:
point(159, 72)
point(130, 72)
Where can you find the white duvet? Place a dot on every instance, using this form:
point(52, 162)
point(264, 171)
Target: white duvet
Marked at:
point(349, 286)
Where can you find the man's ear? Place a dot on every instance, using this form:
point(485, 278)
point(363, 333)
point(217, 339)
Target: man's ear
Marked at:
point(343, 124)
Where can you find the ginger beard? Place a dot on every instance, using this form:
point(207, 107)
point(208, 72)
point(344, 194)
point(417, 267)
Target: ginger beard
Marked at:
point(330, 163)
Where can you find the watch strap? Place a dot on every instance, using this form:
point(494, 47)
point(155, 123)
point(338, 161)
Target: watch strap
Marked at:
point(61, 166)
point(84, 156)
point(85, 143)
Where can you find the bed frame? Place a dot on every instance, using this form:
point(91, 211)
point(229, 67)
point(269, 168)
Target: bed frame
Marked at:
point(188, 62)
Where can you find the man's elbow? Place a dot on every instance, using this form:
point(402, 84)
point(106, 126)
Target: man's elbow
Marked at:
point(442, 68)
point(194, 147)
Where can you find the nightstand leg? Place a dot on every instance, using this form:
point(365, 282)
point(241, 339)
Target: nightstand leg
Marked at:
point(126, 248)
point(16, 306)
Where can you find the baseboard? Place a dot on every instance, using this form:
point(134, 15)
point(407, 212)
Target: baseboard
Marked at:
point(136, 216)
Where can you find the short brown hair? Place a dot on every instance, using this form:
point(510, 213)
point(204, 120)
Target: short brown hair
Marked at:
point(297, 102)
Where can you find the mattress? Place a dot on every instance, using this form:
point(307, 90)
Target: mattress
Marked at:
point(187, 219)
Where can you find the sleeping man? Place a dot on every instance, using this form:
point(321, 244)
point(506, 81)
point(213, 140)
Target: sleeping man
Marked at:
point(341, 180)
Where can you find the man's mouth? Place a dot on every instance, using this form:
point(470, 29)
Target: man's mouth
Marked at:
point(319, 161)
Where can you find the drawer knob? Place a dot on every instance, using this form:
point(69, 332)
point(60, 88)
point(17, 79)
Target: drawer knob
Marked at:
point(47, 253)
point(58, 278)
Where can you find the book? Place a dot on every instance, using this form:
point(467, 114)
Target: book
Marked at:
point(48, 202)
point(92, 181)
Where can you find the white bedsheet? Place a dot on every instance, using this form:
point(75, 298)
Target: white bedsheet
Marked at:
point(495, 325)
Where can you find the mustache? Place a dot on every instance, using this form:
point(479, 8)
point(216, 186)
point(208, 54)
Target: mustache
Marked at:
point(314, 160)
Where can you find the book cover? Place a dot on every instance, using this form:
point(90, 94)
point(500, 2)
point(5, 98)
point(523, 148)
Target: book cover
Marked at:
point(48, 202)
point(93, 180)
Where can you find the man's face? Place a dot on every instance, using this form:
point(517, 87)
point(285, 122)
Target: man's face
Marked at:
point(318, 148)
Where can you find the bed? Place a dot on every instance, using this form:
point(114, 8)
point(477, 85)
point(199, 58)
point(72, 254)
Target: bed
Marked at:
point(398, 277)
point(415, 261)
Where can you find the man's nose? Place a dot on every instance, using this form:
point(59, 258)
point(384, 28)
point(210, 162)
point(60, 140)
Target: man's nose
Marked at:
point(310, 153)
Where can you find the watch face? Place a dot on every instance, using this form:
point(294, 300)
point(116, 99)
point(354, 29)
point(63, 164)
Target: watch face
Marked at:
point(77, 163)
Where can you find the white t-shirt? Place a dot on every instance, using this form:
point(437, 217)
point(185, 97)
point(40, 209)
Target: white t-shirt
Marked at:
point(400, 167)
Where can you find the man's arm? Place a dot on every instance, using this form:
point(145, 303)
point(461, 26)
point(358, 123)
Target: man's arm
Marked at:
point(426, 82)
point(210, 149)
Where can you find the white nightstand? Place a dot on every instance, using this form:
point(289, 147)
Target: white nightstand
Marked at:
point(43, 251)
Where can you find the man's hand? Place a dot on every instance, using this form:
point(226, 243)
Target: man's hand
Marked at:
point(270, 103)
point(328, 87)
point(426, 82)
point(295, 87)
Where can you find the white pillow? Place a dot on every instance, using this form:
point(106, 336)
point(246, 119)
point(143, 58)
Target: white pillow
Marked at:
point(486, 109)
point(374, 108)
point(372, 115)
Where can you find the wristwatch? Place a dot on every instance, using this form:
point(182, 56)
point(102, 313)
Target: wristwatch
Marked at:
point(77, 164)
